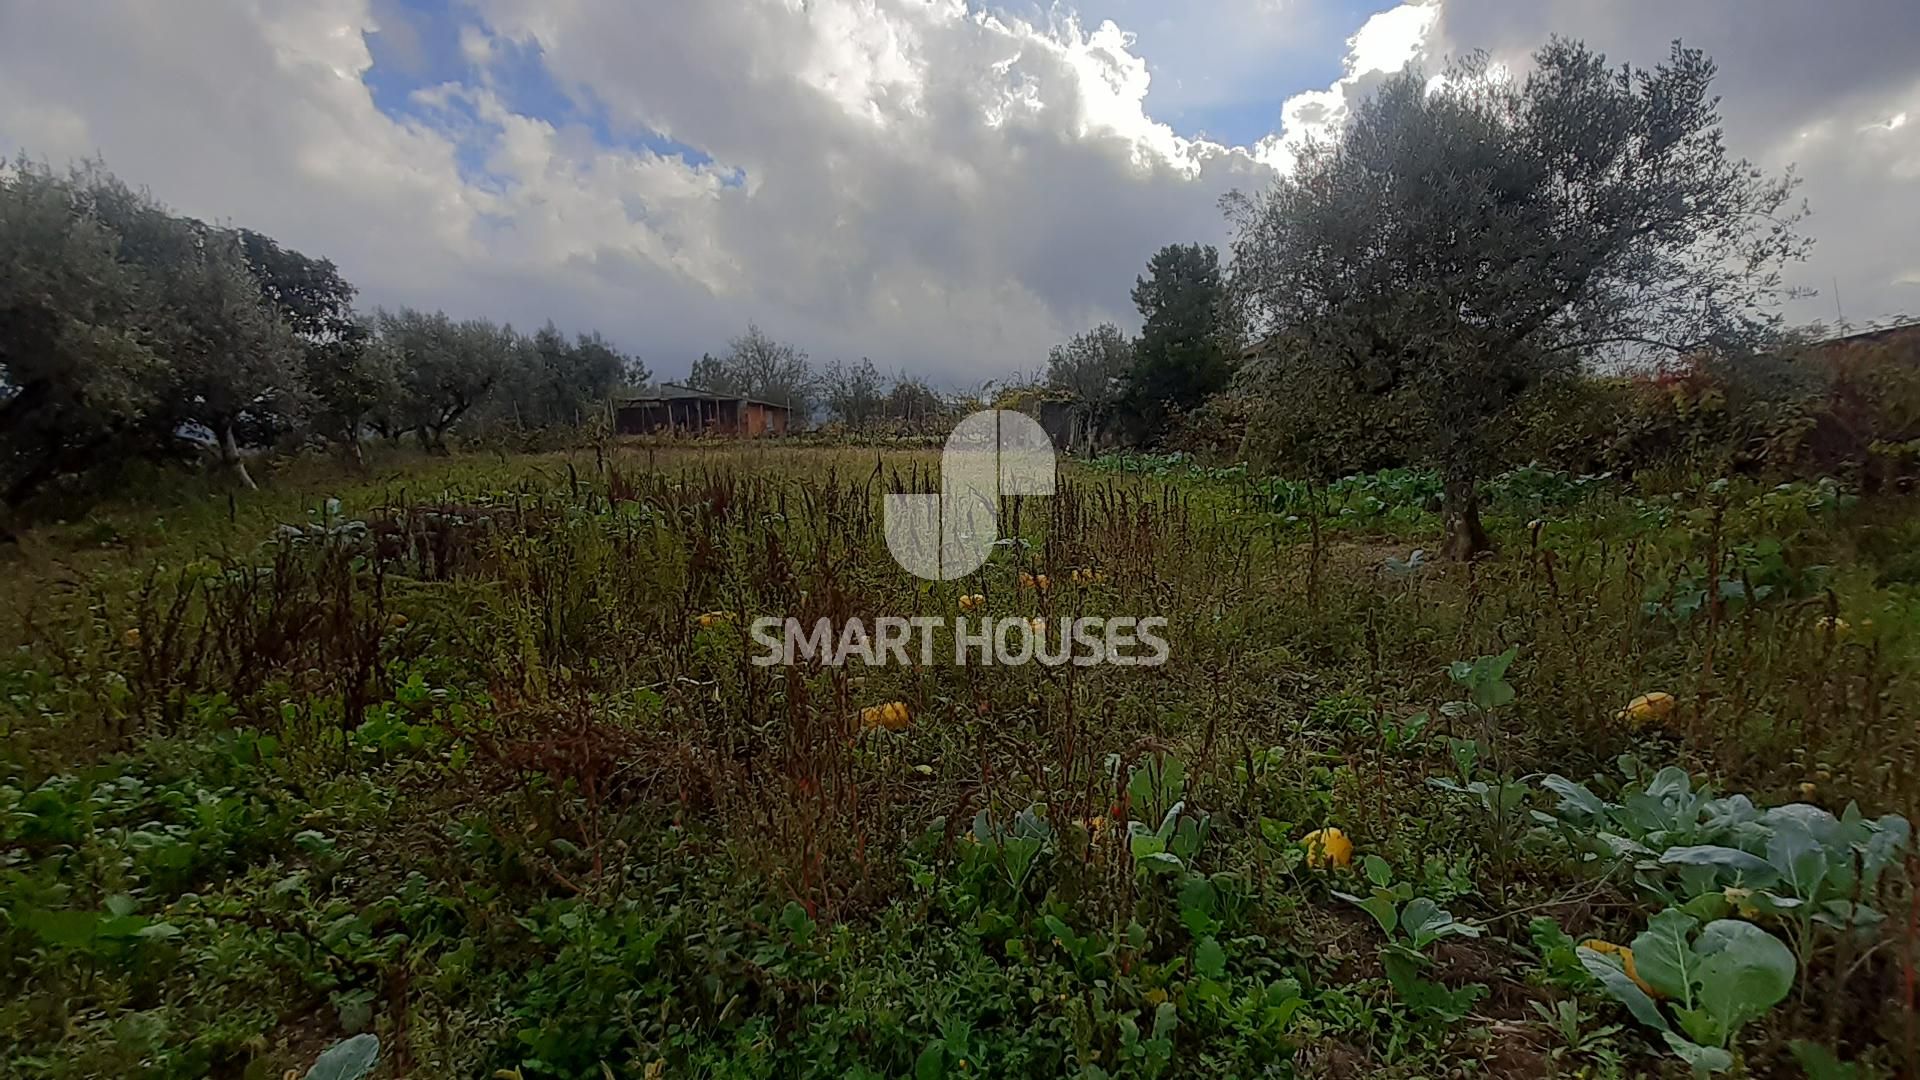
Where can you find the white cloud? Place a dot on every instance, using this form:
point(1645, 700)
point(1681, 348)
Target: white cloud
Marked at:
point(937, 186)
point(476, 45)
point(942, 190)
point(1815, 87)
point(946, 189)
point(1391, 39)
point(1385, 44)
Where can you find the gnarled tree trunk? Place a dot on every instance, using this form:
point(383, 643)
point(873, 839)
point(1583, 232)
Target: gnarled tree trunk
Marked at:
point(230, 457)
point(1460, 516)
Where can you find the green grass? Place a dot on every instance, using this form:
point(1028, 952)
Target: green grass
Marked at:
point(452, 761)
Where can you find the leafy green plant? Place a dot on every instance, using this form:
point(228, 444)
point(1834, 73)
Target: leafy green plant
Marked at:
point(1559, 954)
point(1484, 678)
point(1499, 797)
point(1821, 1063)
point(1406, 735)
point(1156, 784)
point(1412, 923)
point(348, 1059)
point(1171, 846)
point(1341, 712)
point(1753, 573)
point(1797, 863)
point(995, 875)
point(1016, 847)
point(1534, 487)
point(1712, 983)
point(1568, 1022)
point(1812, 871)
point(1155, 789)
point(1654, 812)
point(1499, 800)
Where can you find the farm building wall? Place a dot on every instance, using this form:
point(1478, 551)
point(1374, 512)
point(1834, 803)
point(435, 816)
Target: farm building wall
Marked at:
point(700, 416)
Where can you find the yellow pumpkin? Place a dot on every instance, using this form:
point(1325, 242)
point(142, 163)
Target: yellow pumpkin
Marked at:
point(891, 717)
point(1626, 962)
point(132, 637)
point(1328, 847)
point(1832, 624)
point(1648, 708)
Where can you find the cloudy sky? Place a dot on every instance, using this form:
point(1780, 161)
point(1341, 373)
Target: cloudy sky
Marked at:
point(945, 186)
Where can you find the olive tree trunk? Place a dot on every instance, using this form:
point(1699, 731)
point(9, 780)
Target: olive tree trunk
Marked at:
point(1460, 516)
point(230, 457)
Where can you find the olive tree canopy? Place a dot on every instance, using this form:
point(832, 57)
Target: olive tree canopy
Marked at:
point(1094, 365)
point(124, 330)
point(1462, 239)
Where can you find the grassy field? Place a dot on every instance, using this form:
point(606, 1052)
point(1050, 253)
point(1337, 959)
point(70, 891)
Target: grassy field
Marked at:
point(469, 754)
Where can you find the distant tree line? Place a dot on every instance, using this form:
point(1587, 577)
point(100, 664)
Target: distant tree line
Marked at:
point(854, 396)
point(1135, 390)
point(1462, 247)
point(131, 333)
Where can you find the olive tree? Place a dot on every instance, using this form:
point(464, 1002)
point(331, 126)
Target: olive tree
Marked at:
point(554, 382)
point(232, 354)
point(443, 369)
point(352, 381)
point(913, 402)
point(75, 371)
point(230, 358)
point(123, 329)
point(1094, 365)
point(342, 381)
point(1460, 241)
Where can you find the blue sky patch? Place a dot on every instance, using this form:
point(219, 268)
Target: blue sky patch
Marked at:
point(419, 48)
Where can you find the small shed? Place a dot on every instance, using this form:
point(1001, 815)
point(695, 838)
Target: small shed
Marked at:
point(679, 409)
